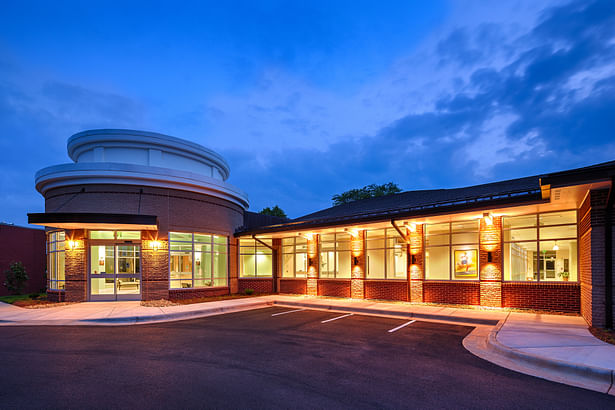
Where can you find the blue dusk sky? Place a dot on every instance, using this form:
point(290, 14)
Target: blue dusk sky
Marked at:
point(306, 99)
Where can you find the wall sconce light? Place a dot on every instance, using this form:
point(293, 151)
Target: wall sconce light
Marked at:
point(72, 245)
point(155, 245)
point(413, 259)
point(489, 256)
point(352, 232)
point(488, 218)
point(310, 262)
point(309, 236)
point(411, 226)
point(355, 261)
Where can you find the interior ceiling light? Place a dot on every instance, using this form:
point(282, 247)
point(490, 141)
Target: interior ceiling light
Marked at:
point(555, 247)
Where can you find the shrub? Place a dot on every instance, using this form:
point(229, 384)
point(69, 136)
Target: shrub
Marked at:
point(16, 278)
point(248, 291)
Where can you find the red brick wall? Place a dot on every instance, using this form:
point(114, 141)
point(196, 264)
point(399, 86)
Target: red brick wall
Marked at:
point(25, 245)
point(337, 287)
point(461, 293)
point(490, 272)
point(182, 294)
point(154, 268)
point(258, 285)
point(293, 286)
point(386, 290)
point(357, 247)
point(560, 297)
point(416, 270)
point(76, 267)
point(56, 295)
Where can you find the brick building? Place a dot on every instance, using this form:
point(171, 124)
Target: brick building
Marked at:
point(145, 216)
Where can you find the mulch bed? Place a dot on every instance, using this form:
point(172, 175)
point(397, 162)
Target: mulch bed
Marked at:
point(606, 335)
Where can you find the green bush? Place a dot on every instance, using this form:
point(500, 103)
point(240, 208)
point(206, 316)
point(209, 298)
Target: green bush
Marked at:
point(248, 291)
point(16, 278)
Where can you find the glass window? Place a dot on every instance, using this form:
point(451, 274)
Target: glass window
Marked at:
point(255, 259)
point(197, 260)
point(451, 250)
point(387, 254)
point(55, 260)
point(335, 255)
point(102, 235)
point(294, 257)
point(541, 247)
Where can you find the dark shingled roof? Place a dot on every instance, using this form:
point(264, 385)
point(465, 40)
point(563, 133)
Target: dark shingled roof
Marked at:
point(431, 201)
point(253, 220)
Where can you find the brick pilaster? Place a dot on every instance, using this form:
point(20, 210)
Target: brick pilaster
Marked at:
point(490, 243)
point(233, 266)
point(416, 269)
point(76, 266)
point(313, 266)
point(357, 254)
point(154, 266)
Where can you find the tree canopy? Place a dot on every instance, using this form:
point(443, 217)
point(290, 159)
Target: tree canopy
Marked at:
point(368, 191)
point(275, 211)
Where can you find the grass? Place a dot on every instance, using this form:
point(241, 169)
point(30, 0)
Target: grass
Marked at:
point(14, 298)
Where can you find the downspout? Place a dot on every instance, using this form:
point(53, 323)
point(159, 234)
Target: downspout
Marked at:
point(608, 257)
point(399, 231)
point(274, 255)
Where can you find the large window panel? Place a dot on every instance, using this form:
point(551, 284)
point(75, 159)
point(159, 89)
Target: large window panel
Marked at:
point(55, 260)
point(294, 257)
point(255, 259)
point(197, 260)
point(335, 255)
point(451, 251)
point(541, 247)
point(387, 254)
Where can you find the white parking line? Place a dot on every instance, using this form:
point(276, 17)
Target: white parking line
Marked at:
point(288, 311)
point(400, 326)
point(335, 318)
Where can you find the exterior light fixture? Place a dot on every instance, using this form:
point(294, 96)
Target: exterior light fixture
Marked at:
point(488, 218)
point(355, 261)
point(309, 236)
point(72, 245)
point(155, 245)
point(412, 227)
point(352, 232)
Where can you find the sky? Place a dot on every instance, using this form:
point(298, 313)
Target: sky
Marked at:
point(307, 99)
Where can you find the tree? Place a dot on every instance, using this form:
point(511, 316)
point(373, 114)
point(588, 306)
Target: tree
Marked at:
point(368, 191)
point(16, 278)
point(275, 211)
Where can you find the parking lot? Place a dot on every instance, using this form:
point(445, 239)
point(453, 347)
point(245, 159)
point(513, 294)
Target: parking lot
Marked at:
point(266, 358)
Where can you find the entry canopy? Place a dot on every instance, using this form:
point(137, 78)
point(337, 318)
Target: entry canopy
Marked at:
point(72, 220)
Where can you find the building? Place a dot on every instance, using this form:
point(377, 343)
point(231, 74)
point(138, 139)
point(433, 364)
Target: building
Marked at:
point(147, 216)
point(25, 245)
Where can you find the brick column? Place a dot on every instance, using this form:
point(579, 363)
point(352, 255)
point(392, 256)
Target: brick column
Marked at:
point(490, 243)
point(592, 253)
point(357, 254)
point(276, 260)
point(154, 266)
point(76, 266)
point(416, 268)
point(313, 266)
point(233, 265)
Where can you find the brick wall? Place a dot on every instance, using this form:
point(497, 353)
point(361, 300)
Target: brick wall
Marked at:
point(233, 266)
point(357, 247)
point(416, 270)
point(154, 267)
point(56, 295)
point(462, 293)
point(386, 290)
point(182, 294)
point(335, 287)
point(490, 243)
point(259, 285)
point(314, 266)
point(560, 297)
point(75, 267)
point(25, 245)
point(293, 286)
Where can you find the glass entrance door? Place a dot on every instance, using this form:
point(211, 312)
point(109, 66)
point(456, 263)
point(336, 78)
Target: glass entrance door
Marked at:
point(115, 272)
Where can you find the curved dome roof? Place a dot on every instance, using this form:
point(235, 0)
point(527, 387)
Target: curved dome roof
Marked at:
point(146, 148)
point(131, 157)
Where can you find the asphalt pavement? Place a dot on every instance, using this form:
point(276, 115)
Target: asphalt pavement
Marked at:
point(266, 358)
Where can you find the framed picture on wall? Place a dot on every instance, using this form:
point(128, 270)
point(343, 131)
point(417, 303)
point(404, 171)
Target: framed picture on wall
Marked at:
point(466, 263)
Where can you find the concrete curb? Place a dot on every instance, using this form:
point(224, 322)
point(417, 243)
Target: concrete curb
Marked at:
point(588, 377)
point(132, 320)
point(381, 312)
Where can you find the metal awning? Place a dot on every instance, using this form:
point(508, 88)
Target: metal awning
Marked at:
point(98, 221)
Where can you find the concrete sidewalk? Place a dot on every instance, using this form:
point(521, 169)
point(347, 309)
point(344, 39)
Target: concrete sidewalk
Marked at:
point(553, 347)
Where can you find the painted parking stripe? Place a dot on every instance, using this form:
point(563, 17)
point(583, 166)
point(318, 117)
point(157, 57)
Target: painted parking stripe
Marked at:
point(288, 311)
point(401, 326)
point(335, 318)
